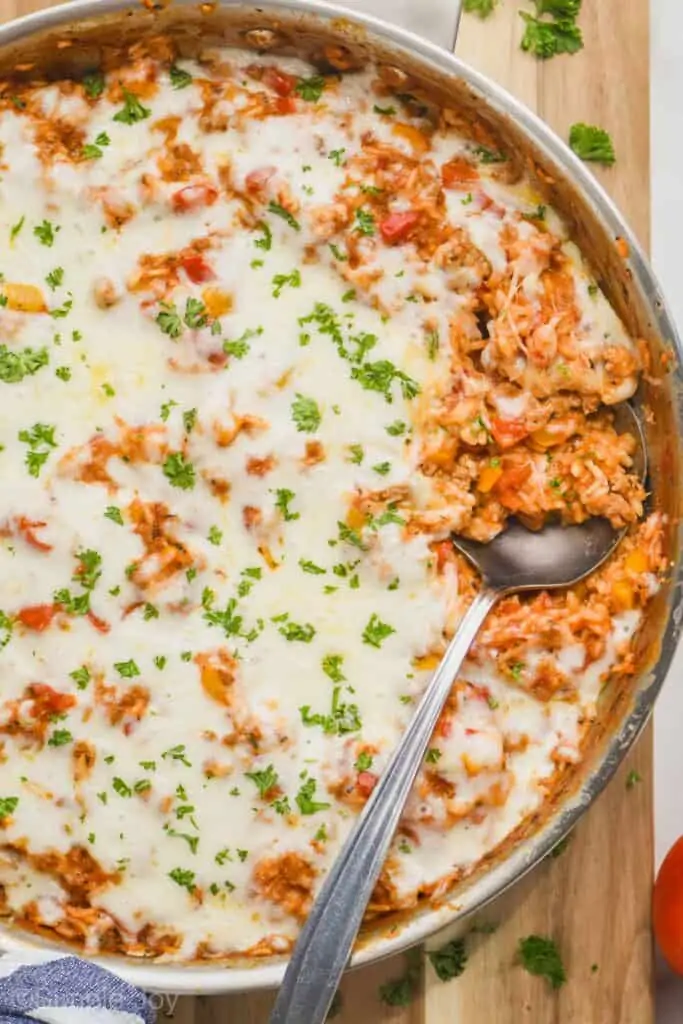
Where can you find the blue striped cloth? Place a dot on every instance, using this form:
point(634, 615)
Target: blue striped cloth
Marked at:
point(68, 990)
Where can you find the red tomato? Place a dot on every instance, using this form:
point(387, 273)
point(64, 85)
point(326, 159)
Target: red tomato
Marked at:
point(37, 616)
point(458, 172)
point(196, 268)
point(507, 432)
point(667, 907)
point(279, 81)
point(511, 482)
point(397, 226)
point(366, 782)
point(258, 179)
point(192, 197)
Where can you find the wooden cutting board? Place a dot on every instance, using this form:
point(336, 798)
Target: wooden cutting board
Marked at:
point(594, 899)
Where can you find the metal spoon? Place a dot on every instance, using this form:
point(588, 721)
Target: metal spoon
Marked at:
point(516, 560)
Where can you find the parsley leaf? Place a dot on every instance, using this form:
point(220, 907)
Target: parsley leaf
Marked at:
point(337, 157)
point(450, 960)
point(114, 513)
point(16, 228)
point(332, 667)
point(280, 280)
point(559, 9)
point(8, 805)
point(40, 437)
point(481, 7)
point(24, 362)
point(540, 955)
point(364, 222)
point(280, 211)
point(127, 669)
point(195, 314)
point(180, 79)
point(305, 801)
point(311, 89)
point(55, 277)
point(304, 632)
point(591, 143)
point(402, 990)
point(93, 85)
point(548, 38)
point(132, 110)
point(266, 242)
point(264, 780)
point(282, 500)
point(45, 233)
point(376, 631)
point(59, 738)
point(240, 346)
point(183, 878)
point(363, 762)
point(311, 567)
point(306, 414)
point(169, 320)
point(179, 472)
point(380, 376)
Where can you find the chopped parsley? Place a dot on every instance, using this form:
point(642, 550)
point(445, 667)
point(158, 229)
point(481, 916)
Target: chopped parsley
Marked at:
point(396, 429)
point(363, 762)
point(132, 110)
point(180, 79)
point(380, 376)
point(41, 440)
point(264, 780)
point(179, 472)
point(559, 8)
point(481, 7)
point(433, 755)
point(114, 513)
point(306, 414)
point(633, 778)
point(215, 536)
point(240, 346)
point(305, 801)
point(55, 277)
point(357, 454)
point(450, 960)
point(303, 632)
point(195, 314)
point(402, 990)
point(337, 157)
point(45, 233)
point(364, 223)
point(310, 89)
point(93, 85)
point(280, 211)
point(93, 150)
point(342, 719)
point(59, 738)
point(282, 502)
point(592, 143)
point(183, 878)
point(281, 280)
point(546, 39)
point(16, 228)
point(540, 955)
point(376, 631)
point(81, 677)
point(266, 240)
point(127, 669)
point(384, 111)
point(15, 364)
point(8, 805)
point(311, 567)
point(332, 667)
point(121, 787)
point(382, 468)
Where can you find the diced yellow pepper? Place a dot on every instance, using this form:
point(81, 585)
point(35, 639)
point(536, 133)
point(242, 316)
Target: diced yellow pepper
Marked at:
point(217, 301)
point(355, 518)
point(427, 661)
point(26, 298)
point(636, 561)
point(488, 478)
point(622, 594)
point(417, 139)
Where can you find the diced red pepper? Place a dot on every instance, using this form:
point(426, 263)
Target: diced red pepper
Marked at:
point(366, 782)
point(396, 228)
point(196, 268)
point(458, 173)
point(97, 622)
point(192, 197)
point(38, 616)
point(279, 81)
point(286, 105)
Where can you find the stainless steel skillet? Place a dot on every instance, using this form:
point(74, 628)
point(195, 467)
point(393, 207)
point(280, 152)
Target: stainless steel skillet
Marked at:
point(305, 26)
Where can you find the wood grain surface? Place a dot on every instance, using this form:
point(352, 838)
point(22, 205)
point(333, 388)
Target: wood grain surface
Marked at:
point(594, 898)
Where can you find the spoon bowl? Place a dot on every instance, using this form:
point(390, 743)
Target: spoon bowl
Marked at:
point(517, 559)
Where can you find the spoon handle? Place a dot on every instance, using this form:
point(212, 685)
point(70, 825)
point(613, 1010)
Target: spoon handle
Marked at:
point(324, 946)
